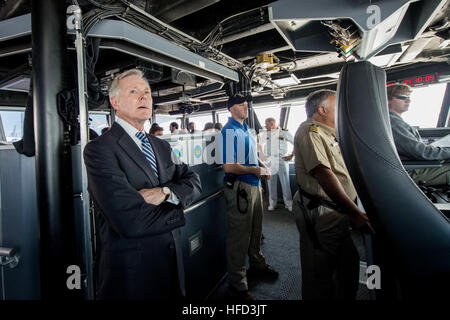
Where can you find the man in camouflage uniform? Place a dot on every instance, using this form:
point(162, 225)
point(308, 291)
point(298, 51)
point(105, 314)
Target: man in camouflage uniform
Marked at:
point(325, 206)
point(408, 141)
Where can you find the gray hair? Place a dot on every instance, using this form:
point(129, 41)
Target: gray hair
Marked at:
point(316, 99)
point(114, 89)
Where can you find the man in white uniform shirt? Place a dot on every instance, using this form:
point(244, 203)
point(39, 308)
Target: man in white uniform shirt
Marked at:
point(273, 145)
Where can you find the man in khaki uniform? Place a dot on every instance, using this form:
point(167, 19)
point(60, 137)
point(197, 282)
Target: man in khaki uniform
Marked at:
point(325, 206)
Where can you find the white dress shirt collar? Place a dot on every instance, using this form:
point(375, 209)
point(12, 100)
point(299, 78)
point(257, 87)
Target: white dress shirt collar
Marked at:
point(130, 130)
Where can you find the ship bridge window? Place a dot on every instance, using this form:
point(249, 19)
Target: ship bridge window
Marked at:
point(200, 121)
point(164, 122)
point(223, 117)
point(270, 111)
point(297, 115)
point(425, 106)
point(98, 122)
point(12, 125)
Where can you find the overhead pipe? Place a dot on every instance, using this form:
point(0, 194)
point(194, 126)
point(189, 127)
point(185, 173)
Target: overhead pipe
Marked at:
point(74, 22)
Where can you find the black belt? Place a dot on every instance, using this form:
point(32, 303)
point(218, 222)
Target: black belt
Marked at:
point(314, 202)
point(317, 201)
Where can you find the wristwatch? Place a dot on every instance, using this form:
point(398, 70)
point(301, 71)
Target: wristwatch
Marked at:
point(167, 192)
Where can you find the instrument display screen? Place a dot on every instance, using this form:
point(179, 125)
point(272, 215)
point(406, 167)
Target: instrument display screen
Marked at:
point(417, 81)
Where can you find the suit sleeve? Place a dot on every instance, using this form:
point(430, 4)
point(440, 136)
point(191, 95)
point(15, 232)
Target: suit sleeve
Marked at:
point(185, 184)
point(122, 206)
point(410, 148)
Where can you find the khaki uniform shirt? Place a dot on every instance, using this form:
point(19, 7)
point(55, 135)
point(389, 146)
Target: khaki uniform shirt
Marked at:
point(315, 144)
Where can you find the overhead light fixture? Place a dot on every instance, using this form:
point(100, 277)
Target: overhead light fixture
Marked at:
point(285, 79)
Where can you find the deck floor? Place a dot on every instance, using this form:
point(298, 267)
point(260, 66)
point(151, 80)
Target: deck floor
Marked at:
point(281, 248)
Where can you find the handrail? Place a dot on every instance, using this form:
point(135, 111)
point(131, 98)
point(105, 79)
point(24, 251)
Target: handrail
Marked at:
point(202, 202)
point(7, 252)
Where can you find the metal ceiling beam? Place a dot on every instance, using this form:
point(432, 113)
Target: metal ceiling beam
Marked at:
point(414, 49)
point(15, 27)
point(13, 99)
point(184, 35)
point(196, 93)
point(113, 29)
point(182, 8)
point(320, 71)
point(16, 75)
point(253, 45)
point(253, 31)
point(152, 56)
point(15, 49)
point(416, 69)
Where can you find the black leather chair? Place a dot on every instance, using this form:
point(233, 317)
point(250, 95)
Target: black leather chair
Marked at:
point(412, 244)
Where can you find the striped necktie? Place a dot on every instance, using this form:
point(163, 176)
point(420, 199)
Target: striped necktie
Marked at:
point(148, 151)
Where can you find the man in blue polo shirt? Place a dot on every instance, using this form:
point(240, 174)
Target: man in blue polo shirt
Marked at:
point(243, 172)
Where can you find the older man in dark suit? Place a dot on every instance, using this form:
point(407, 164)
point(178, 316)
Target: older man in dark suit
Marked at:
point(139, 194)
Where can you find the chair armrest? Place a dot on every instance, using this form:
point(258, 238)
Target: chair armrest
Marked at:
point(408, 165)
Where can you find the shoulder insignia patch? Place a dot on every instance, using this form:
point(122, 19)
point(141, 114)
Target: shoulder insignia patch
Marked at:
point(313, 128)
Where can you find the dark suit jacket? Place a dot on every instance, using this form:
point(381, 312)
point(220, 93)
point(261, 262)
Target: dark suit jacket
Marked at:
point(140, 254)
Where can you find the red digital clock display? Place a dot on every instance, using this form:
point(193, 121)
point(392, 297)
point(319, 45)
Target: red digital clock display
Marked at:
point(417, 81)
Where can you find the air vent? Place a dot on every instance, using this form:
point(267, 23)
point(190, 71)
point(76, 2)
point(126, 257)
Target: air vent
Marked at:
point(183, 78)
point(195, 243)
point(362, 272)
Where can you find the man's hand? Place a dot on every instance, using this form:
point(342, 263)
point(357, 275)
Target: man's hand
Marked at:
point(153, 196)
point(288, 158)
point(361, 222)
point(265, 172)
point(336, 192)
point(262, 172)
point(264, 156)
